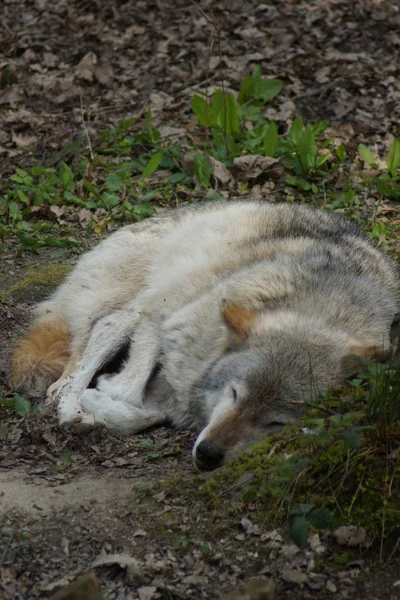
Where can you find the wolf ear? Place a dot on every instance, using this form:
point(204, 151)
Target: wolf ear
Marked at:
point(239, 318)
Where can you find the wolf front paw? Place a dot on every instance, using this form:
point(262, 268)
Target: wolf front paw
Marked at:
point(71, 415)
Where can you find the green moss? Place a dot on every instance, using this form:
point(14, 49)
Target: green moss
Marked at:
point(38, 278)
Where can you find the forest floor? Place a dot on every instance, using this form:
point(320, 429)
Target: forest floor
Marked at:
point(70, 72)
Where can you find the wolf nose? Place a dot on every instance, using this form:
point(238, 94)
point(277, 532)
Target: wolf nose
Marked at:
point(208, 456)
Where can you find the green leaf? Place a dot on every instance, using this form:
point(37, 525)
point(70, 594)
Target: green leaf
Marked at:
point(232, 115)
point(393, 158)
point(245, 89)
point(216, 110)
point(307, 151)
point(177, 177)
point(352, 439)
point(295, 131)
point(92, 189)
point(271, 140)
point(153, 164)
point(110, 200)
point(66, 177)
point(200, 109)
point(70, 197)
point(323, 158)
point(298, 182)
point(13, 211)
point(22, 196)
point(367, 155)
point(113, 182)
point(202, 170)
point(22, 406)
point(306, 508)
point(269, 88)
point(298, 530)
point(256, 81)
point(341, 152)
point(320, 518)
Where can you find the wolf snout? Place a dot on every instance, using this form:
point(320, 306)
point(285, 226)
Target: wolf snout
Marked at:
point(208, 456)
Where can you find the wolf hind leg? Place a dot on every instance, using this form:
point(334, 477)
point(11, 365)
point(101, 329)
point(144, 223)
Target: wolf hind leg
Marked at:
point(106, 339)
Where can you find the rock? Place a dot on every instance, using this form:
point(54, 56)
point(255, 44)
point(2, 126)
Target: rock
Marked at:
point(257, 589)
point(85, 588)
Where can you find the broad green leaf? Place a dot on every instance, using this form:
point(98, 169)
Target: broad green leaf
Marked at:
point(70, 197)
point(320, 518)
point(256, 81)
point(216, 110)
point(36, 408)
point(14, 211)
point(232, 115)
point(367, 155)
point(245, 90)
point(200, 109)
point(352, 439)
point(113, 182)
point(22, 406)
point(269, 88)
point(22, 196)
point(298, 182)
point(323, 158)
point(307, 151)
point(295, 131)
point(202, 170)
point(16, 178)
point(110, 200)
point(393, 158)
point(92, 189)
point(153, 164)
point(306, 508)
point(66, 177)
point(298, 530)
point(271, 140)
point(341, 152)
point(177, 177)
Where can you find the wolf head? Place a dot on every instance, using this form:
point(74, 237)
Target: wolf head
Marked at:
point(265, 381)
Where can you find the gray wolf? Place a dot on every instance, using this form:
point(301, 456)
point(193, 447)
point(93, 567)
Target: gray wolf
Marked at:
point(236, 316)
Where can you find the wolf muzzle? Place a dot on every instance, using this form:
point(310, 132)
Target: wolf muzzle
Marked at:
point(208, 456)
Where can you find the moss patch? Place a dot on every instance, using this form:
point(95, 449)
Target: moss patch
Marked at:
point(36, 281)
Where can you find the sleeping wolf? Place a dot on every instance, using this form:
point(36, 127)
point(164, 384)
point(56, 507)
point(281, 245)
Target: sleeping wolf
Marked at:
point(236, 315)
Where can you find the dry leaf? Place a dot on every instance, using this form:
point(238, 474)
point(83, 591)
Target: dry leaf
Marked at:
point(86, 68)
point(253, 166)
point(23, 141)
point(147, 592)
point(351, 535)
point(258, 589)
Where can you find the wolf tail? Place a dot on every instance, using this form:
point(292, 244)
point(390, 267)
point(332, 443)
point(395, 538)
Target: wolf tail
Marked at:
point(40, 357)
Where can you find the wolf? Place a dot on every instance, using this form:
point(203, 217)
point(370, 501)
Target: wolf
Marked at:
point(233, 316)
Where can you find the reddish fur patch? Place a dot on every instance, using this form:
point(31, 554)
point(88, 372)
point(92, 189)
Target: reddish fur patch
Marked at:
point(239, 318)
point(372, 351)
point(39, 358)
point(227, 431)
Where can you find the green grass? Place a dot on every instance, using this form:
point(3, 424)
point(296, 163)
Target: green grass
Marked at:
point(131, 170)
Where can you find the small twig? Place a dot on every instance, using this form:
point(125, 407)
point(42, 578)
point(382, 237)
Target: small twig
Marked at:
point(217, 32)
point(393, 552)
point(86, 131)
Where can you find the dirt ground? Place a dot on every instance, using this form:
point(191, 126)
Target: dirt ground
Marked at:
point(66, 500)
